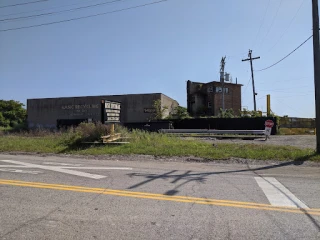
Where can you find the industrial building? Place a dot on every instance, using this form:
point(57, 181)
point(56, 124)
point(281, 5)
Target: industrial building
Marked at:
point(53, 112)
point(208, 98)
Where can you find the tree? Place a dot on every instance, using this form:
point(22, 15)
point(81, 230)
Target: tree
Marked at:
point(227, 113)
point(12, 113)
point(181, 112)
point(159, 110)
point(3, 122)
point(250, 114)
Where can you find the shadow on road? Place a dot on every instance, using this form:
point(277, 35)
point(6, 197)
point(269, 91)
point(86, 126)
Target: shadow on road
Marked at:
point(190, 176)
point(201, 177)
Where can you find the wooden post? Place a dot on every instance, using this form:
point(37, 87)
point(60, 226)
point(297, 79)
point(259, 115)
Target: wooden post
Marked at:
point(268, 106)
point(112, 129)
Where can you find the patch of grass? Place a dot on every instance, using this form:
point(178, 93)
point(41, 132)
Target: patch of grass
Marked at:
point(48, 144)
point(296, 131)
point(158, 145)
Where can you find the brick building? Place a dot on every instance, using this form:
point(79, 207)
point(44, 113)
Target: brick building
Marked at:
point(206, 98)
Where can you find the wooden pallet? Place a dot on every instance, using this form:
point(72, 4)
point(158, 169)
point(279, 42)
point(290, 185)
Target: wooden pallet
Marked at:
point(112, 139)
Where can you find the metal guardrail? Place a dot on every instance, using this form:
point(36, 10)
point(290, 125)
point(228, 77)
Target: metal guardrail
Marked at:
point(207, 131)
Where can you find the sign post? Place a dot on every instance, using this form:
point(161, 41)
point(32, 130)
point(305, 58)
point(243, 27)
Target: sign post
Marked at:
point(111, 115)
point(268, 127)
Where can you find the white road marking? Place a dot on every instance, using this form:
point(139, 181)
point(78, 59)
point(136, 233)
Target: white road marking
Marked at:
point(71, 167)
point(12, 166)
point(277, 194)
point(100, 168)
point(61, 164)
point(56, 169)
point(20, 171)
point(62, 169)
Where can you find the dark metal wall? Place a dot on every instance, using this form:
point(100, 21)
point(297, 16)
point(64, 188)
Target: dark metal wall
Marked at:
point(207, 123)
point(225, 123)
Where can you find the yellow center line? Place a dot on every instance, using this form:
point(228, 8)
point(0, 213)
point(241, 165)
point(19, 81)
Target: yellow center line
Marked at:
point(145, 193)
point(155, 196)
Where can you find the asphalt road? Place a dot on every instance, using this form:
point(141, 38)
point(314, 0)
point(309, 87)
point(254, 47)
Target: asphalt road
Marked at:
point(65, 198)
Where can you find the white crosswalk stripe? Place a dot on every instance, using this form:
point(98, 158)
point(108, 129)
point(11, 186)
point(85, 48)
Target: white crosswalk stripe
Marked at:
point(277, 194)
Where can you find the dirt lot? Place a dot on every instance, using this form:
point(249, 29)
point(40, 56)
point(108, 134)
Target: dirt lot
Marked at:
point(301, 141)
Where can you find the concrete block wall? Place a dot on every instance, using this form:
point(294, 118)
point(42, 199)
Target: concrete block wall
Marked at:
point(170, 103)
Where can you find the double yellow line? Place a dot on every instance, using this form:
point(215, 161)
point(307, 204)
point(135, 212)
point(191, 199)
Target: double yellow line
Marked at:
point(154, 196)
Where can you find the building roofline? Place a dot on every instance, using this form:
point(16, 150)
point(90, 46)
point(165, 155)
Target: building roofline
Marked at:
point(215, 82)
point(224, 83)
point(168, 97)
point(196, 82)
point(101, 96)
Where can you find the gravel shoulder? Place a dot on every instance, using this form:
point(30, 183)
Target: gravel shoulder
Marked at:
point(300, 141)
point(191, 159)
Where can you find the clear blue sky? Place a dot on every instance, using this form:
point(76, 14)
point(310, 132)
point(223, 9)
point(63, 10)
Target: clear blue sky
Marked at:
point(158, 48)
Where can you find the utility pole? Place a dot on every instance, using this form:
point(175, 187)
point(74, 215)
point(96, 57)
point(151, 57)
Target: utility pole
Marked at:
point(222, 65)
point(316, 62)
point(253, 89)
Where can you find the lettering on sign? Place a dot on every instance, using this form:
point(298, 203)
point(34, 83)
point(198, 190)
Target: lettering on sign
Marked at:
point(110, 105)
point(149, 110)
point(113, 119)
point(79, 106)
point(113, 114)
point(112, 111)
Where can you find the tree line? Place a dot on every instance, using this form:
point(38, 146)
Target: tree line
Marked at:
point(12, 113)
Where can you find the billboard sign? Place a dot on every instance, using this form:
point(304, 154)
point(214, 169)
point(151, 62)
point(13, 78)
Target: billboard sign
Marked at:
point(112, 112)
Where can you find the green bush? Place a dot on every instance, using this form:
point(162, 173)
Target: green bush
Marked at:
point(121, 129)
point(18, 127)
point(85, 132)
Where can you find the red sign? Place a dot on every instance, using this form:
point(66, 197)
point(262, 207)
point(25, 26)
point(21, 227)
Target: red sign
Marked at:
point(269, 123)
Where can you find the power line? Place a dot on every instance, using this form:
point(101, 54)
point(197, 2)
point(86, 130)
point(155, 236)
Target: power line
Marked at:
point(62, 11)
point(281, 89)
point(261, 97)
point(84, 17)
point(274, 18)
point(19, 4)
point(246, 86)
point(291, 79)
point(45, 9)
point(284, 32)
point(236, 55)
point(282, 103)
point(264, 16)
point(287, 92)
point(290, 96)
point(286, 55)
